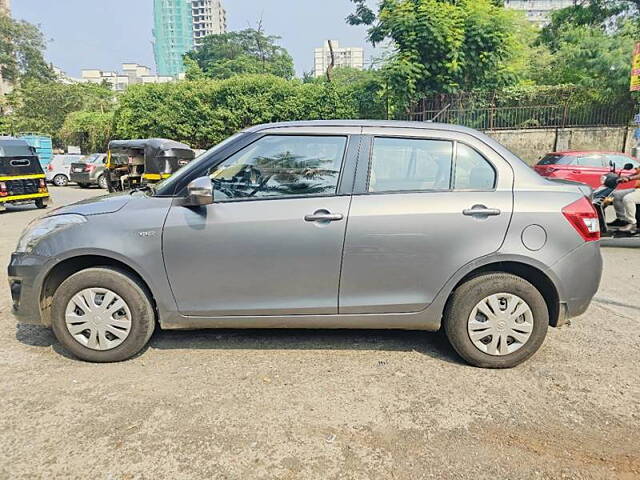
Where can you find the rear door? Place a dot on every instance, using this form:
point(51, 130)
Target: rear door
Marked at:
point(588, 168)
point(425, 204)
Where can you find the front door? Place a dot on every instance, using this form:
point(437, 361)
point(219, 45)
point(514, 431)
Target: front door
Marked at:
point(271, 244)
point(428, 207)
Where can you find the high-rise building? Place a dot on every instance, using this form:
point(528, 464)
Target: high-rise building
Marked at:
point(539, 11)
point(179, 26)
point(209, 18)
point(5, 7)
point(344, 57)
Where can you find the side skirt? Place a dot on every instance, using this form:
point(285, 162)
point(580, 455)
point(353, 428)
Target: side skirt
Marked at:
point(399, 321)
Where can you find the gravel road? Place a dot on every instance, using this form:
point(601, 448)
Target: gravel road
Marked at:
point(317, 404)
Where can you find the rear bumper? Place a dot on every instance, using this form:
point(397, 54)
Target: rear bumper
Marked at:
point(578, 277)
point(82, 178)
point(24, 284)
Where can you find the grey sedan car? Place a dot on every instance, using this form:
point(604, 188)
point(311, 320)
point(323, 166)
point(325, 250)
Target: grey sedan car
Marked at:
point(334, 224)
point(90, 171)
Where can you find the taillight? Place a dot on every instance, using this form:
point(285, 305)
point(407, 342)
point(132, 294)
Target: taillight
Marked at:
point(50, 167)
point(3, 189)
point(42, 186)
point(89, 168)
point(584, 219)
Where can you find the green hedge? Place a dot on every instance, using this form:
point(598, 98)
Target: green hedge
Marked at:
point(204, 112)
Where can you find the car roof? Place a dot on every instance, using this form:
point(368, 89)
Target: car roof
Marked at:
point(364, 123)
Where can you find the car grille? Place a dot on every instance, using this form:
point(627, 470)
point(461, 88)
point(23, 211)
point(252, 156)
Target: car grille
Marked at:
point(23, 187)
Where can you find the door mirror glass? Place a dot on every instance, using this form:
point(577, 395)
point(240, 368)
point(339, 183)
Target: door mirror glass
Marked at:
point(628, 166)
point(199, 192)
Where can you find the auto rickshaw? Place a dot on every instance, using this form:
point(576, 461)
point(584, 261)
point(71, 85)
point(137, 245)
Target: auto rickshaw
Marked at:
point(22, 179)
point(133, 163)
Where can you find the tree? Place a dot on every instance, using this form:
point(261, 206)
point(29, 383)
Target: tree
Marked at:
point(43, 107)
point(590, 57)
point(590, 45)
point(445, 45)
point(91, 131)
point(235, 53)
point(21, 52)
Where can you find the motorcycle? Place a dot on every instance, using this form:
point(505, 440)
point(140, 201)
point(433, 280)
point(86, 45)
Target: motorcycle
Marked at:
point(602, 198)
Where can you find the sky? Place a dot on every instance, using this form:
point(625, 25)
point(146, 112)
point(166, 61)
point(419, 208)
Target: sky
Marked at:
point(103, 34)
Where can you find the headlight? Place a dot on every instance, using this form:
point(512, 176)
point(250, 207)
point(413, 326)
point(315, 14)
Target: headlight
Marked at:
point(43, 227)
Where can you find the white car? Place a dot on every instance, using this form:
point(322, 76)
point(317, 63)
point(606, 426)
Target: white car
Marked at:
point(58, 171)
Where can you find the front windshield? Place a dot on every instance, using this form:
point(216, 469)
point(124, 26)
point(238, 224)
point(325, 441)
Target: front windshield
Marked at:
point(167, 186)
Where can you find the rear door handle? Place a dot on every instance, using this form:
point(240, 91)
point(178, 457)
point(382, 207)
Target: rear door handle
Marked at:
point(481, 211)
point(324, 216)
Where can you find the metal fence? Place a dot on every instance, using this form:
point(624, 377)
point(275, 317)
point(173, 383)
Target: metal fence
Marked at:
point(489, 115)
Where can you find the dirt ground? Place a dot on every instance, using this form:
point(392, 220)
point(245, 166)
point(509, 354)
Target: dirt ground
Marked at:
point(317, 404)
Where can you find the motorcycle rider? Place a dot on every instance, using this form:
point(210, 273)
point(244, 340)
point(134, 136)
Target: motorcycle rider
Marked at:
point(625, 202)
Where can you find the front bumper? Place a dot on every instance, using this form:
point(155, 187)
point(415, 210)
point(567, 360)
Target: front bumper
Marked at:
point(25, 273)
point(578, 277)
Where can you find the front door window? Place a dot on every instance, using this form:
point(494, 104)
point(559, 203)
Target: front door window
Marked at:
point(281, 166)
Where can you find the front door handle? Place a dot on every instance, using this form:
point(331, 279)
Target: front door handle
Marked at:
point(323, 216)
point(481, 211)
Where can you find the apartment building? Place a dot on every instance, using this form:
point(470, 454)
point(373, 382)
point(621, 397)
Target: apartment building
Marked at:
point(5, 7)
point(538, 11)
point(131, 74)
point(180, 26)
point(344, 57)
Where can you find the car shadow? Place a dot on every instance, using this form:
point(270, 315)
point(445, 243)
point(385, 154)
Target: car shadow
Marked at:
point(431, 344)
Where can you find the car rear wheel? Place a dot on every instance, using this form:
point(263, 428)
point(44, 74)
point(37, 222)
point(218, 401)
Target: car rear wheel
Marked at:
point(496, 320)
point(102, 182)
point(60, 180)
point(102, 315)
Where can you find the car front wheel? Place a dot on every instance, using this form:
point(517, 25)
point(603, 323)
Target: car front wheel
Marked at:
point(496, 320)
point(102, 315)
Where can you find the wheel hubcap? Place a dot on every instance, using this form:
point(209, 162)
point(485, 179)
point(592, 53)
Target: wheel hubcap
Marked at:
point(98, 318)
point(500, 324)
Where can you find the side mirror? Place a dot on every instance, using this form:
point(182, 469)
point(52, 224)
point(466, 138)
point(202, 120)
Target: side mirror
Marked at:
point(199, 192)
point(628, 166)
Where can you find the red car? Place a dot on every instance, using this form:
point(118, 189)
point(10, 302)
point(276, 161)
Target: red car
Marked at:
point(585, 167)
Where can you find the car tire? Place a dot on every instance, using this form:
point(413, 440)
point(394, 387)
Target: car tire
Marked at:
point(137, 311)
point(40, 203)
point(102, 182)
point(84, 185)
point(464, 318)
point(60, 180)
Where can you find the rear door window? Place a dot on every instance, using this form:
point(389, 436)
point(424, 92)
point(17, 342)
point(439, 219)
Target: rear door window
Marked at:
point(406, 164)
point(592, 160)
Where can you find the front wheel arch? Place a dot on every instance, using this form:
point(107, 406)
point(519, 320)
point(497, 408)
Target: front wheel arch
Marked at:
point(60, 272)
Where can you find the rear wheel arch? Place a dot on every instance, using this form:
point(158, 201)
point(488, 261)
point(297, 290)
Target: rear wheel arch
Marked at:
point(61, 271)
point(540, 280)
